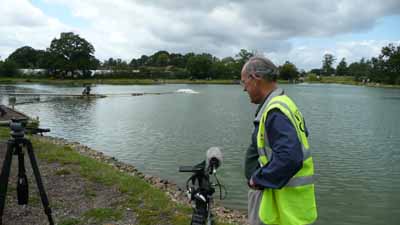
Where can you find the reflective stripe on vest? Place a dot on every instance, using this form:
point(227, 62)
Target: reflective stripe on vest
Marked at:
point(266, 153)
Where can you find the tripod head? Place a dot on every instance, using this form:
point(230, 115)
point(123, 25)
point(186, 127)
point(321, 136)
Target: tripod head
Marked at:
point(19, 128)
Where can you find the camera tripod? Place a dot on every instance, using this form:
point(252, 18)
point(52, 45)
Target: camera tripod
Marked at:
point(15, 146)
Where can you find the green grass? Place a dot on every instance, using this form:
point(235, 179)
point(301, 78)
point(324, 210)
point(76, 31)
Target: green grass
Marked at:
point(70, 221)
point(62, 171)
point(101, 215)
point(336, 80)
point(89, 193)
point(151, 205)
point(34, 199)
point(349, 80)
point(131, 81)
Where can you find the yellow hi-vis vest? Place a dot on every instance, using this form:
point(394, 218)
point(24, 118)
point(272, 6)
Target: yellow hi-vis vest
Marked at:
point(293, 204)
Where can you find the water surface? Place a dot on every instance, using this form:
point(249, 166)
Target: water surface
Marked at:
point(354, 135)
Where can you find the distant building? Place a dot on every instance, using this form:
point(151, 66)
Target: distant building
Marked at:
point(33, 72)
point(39, 72)
point(100, 72)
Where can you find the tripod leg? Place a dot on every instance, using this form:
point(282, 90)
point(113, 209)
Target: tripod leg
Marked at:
point(35, 168)
point(22, 183)
point(5, 174)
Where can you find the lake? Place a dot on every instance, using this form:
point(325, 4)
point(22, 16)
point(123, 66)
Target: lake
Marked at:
point(354, 137)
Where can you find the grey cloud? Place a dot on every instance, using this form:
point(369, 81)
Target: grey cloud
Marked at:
point(128, 28)
point(275, 21)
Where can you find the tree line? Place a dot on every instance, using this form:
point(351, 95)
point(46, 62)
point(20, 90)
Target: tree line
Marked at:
point(72, 56)
point(384, 68)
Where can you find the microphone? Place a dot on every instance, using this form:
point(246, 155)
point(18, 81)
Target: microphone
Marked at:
point(214, 159)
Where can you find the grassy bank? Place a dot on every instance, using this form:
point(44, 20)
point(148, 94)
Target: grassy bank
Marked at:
point(149, 204)
point(334, 80)
point(348, 80)
point(126, 81)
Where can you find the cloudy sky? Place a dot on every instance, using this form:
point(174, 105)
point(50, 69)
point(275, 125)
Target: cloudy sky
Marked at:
point(298, 31)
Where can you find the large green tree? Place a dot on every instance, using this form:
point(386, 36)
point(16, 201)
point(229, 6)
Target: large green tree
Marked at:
point(327, 64)
point(360, 70)
point(341, 68)
point(8, 68)
point(25, 57)
point(177, 59)
point(288, 71)
point(243, 56)
point(390, 63)
point(70, 53)
point(199, 66)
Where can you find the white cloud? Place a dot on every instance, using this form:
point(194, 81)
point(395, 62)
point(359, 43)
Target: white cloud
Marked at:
point(308, 56)
point(21, 24)
point(128, 28)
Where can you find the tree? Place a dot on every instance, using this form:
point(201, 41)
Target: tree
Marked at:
point(177, 59)
point(133, 63)
point(8, 68)
point(162, 59)
point(25, 57)
point(142, 61)
point(341, 68)
point(228, 60)
point(360, 70)
point(316, 71)
point(327, 63)
point(390, 63)
point(1, 67)
point(120, 65)
point(199, 66)
point(219, 70)
point(288, 71)
point(243, 56)
point(71, 52)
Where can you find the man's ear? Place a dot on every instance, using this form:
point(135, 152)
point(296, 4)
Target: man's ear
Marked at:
point(256, 77)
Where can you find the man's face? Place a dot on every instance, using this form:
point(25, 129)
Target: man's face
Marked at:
point(249, 84)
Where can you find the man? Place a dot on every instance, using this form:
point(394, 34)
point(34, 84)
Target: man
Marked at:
point(278, 165)
point(86, 91)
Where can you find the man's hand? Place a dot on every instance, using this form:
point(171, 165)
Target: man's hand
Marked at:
point(252, 184)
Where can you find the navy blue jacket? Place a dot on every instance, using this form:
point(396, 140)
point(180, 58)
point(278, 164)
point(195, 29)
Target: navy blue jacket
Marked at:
point(287, 154)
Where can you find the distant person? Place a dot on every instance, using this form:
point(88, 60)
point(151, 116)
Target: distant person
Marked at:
point(87, 90)
point(2, 111)
point(278, 164)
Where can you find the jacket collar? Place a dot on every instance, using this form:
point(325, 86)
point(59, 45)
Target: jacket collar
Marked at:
point(262, 106)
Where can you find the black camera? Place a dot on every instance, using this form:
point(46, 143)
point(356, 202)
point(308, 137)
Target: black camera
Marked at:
point(19, 127)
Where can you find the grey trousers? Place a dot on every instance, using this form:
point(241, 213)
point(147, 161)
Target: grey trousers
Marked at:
point(254, 200)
